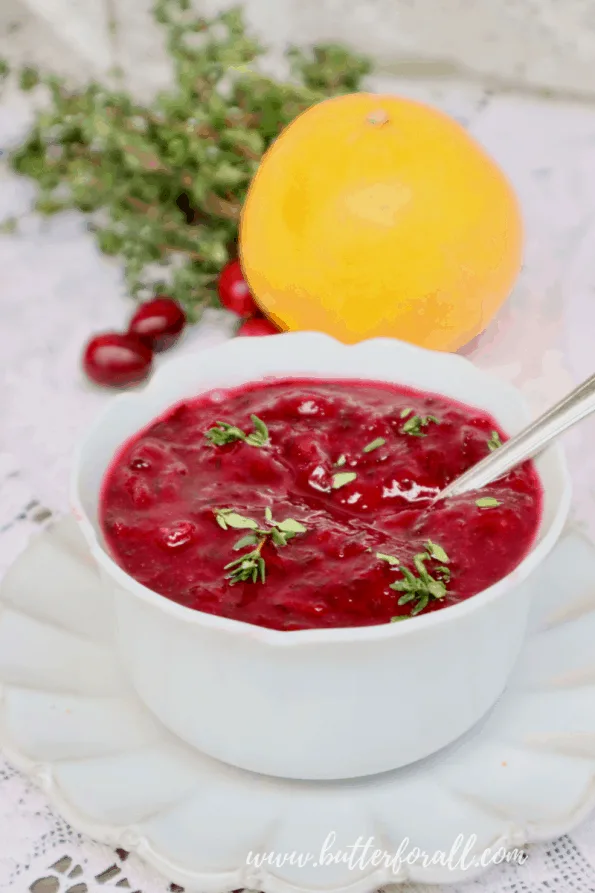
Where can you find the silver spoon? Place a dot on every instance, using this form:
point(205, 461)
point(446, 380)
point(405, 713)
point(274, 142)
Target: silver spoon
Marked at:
point(528, 442)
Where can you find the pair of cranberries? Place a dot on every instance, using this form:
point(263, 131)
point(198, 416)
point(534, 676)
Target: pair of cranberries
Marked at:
point(116, 359)
point(235, 296)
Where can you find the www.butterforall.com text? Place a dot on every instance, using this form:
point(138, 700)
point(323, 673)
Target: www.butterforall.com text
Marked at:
point(364, 854)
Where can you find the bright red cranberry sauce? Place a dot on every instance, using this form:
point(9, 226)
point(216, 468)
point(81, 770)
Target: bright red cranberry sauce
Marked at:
point(344, 472)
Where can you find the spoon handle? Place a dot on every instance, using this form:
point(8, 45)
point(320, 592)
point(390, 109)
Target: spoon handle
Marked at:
point(529, 442)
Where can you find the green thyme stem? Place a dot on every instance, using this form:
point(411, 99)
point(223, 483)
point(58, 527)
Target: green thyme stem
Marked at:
point(250, 566)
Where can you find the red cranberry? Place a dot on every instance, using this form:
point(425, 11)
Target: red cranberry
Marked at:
point(115, 360)
point(177, 535)
point(234, 292)
point(158, 323)
point(257, 326)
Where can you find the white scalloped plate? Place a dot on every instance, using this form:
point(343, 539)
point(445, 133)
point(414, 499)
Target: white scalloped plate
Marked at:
point(70, 721)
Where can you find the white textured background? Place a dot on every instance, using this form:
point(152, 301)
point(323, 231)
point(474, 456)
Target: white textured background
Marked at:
point(538, 44)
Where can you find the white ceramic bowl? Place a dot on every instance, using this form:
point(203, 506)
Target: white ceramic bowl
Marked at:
point(328, 703)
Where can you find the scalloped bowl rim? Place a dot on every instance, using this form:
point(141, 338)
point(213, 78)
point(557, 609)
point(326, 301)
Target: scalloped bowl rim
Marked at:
point(330, 635)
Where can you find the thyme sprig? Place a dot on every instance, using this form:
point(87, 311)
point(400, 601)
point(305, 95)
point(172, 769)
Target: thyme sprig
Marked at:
point(251, 565)
point(421, 589)
point(224, 432)
point(487, 502)
point(248, 567)
point(494, 442)
point(415, 423)
point(341, 478)
point(165, 182)
point(374, 444)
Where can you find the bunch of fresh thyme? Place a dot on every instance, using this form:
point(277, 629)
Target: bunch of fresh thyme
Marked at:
point(165, 185)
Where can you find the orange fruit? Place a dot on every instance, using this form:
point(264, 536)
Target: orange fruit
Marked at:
point(377, 216)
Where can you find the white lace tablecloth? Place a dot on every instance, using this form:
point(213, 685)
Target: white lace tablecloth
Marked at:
point(55, 289)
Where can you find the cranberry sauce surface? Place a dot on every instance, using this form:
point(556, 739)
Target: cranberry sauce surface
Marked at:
point(323, 488)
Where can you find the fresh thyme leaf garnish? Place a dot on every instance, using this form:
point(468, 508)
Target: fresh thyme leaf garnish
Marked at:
point(487, 502)
point(405, 412)
point(260, 435)
point(224, 433)
point(421, 589)
point(421, 604)
point(443, 572)
point(285, 530)
point(390, 559)
point(380, 441)
point(342, 478)
point(251, 565)
point(414, 425)
point(494, 442)
point(340, 461)
point(250, 539)
point(399, 617)
point(290, 526)
point(248, 567)
point(278, 538)
point(228, 518)
point(437, 552)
